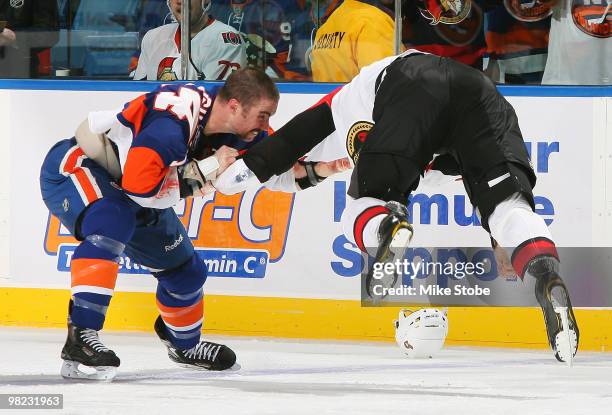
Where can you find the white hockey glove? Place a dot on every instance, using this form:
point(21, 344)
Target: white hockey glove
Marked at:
point(195, 176)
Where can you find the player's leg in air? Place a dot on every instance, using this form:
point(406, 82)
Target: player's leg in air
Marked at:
point(499, 180)
point(80, 194)
point(161, 243)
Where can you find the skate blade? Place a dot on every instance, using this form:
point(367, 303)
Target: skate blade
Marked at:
point(565, 351)
point(75, 370)
point(400, 241)
point(235, 368)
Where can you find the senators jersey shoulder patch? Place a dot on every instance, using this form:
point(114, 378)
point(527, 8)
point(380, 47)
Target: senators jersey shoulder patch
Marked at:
point(355, 138)
point(232, 38)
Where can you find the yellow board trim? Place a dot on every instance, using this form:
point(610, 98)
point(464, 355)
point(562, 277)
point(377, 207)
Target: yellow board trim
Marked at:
point(308, 318)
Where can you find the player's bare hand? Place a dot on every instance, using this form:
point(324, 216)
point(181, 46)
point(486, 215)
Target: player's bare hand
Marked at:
point(504, 266)
point(326, 169)
point(225, 156)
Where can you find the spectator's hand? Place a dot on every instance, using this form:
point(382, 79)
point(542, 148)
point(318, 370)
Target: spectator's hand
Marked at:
point(225, 156)
point(7, 37)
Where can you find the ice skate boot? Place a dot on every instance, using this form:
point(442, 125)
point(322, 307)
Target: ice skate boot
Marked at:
point(394, 234)
point(85, 357)
point(204, 355)
point(551, 293)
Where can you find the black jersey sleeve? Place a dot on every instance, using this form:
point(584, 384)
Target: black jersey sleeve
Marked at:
point(279, 152)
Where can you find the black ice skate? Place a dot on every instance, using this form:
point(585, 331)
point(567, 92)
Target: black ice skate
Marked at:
point(204, 355)
point(85, 357)
point(394, 234)
point(551, 293)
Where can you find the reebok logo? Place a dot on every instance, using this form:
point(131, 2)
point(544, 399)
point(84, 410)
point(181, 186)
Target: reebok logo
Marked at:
point(175, 244)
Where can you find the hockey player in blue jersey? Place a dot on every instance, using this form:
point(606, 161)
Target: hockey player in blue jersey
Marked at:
point(113, 186)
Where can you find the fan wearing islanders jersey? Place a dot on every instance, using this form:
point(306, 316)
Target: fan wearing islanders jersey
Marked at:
point(216, 48)
point(391, 120)
point(113, 186)
point(580, 43)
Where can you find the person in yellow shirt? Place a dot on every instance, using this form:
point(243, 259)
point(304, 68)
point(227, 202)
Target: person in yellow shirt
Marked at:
point(356, 34)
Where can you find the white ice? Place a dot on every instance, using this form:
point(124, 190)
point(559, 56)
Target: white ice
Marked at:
point(307, 377)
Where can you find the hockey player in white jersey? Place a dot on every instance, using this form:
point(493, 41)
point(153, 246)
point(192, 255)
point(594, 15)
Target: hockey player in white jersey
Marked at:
point(391, 120)
point(216, 48)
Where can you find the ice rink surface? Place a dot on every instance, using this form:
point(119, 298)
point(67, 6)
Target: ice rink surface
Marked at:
point(308, 377)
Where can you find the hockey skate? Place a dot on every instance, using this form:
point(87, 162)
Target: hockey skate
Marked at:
point(85, 357)
point(394, 235)
point(204, 355)
point(561, 325)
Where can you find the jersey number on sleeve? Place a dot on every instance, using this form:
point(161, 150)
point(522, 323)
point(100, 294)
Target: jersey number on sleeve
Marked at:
point(184, 104)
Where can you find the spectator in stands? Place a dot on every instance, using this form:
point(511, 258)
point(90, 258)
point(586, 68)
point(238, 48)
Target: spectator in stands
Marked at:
point(28, 29)
point(452, 29)
point(355, 34)
point(216, 48)
point(266, 30)
point(517, 40)
point(579, 47)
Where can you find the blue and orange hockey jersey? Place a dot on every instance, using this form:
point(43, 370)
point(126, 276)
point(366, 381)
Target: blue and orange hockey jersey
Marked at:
point(154, 134)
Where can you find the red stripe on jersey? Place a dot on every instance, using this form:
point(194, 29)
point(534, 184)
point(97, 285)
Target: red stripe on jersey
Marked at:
point(529, 250)
point(90, 190)
point(363, 219)
point(521, 39)
point(469, 55)
point(328, 98)
point(143, 171)
point(135, 112)
point(82, 179)
point(72, 160)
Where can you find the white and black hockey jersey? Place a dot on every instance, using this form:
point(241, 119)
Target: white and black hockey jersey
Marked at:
point(410, 107)
point(216, 51)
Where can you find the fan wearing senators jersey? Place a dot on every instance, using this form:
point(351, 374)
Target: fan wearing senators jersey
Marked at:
point(391, 120)
point(216, 48)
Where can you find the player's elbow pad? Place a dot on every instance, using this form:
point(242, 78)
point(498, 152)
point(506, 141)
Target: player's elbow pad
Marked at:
point(279, 152)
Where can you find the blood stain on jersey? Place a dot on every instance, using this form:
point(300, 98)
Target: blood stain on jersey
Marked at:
point(355, 138)
point(165, 70)
point(592, 19)
point(530, 10)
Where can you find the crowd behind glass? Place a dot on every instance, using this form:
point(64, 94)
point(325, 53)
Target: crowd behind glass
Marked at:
point(513, 41)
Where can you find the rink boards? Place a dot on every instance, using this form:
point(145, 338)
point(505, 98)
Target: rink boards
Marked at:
point(279, 263)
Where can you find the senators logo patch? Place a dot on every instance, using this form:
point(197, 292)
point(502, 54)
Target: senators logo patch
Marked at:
point(445, 11)
point(530, 10)
point(231, 38)
point(166, 70)
point(464, 32)
point(355, 138)
point(593, 17)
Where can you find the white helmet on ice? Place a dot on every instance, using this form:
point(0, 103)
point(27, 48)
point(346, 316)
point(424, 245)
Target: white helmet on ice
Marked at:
point(421, 333)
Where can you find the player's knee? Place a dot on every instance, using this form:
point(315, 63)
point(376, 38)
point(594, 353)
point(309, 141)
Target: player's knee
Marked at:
point(108, 219)
point(507, 185)
point(185, 279)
